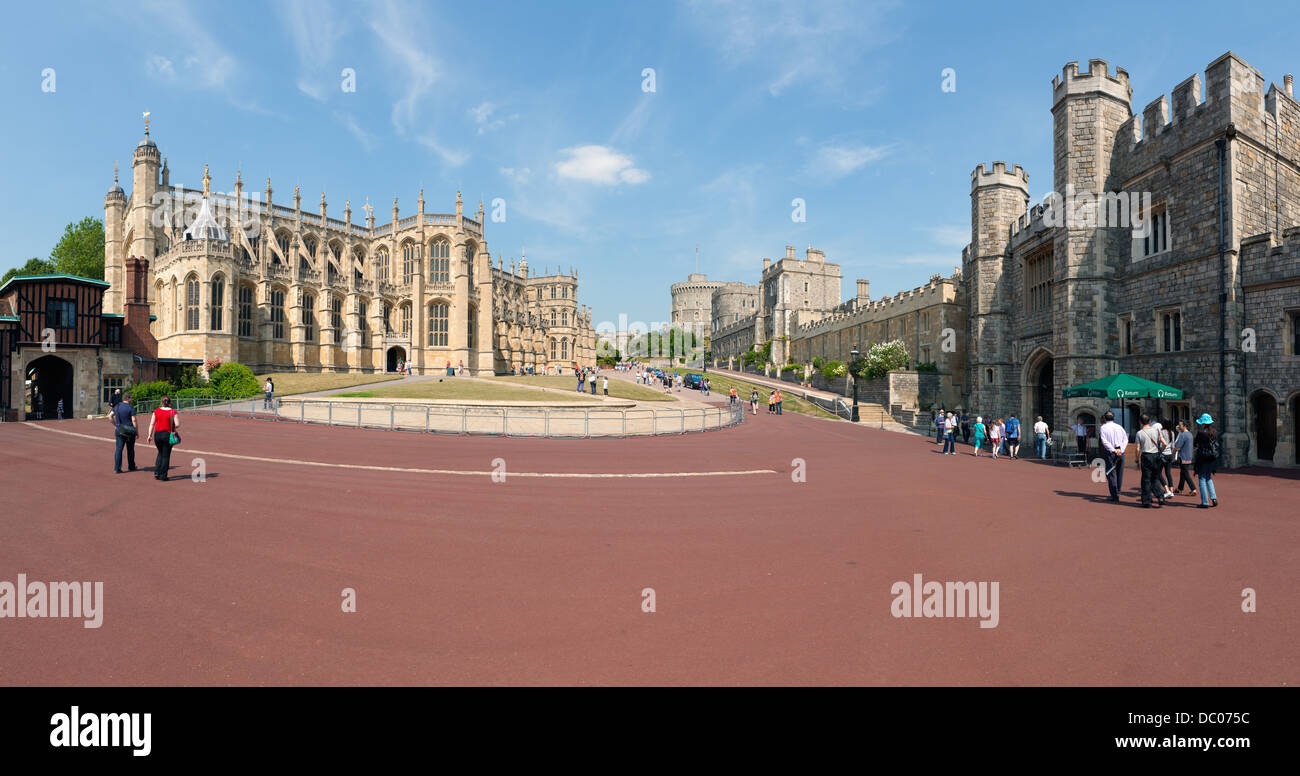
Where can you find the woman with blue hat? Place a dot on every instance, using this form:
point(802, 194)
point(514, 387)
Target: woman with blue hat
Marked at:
point(1207, 450)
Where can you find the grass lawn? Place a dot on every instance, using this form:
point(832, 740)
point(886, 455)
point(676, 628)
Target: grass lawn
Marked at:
point(452, 388)
point(721, 384)
point(290, 383)
point(617, 388)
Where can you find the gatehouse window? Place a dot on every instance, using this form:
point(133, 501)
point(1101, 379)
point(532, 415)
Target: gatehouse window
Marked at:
point(471, 341)
point(60, 313)
point(439, 314)
point(1156, 239)
point(364, 326)
point(217, 309)
point(406, 320)
point(336, 318)
point(1292, 344)
point(383, 264)
point(1171, 331)
point(1126, 335)
point(1038, 281)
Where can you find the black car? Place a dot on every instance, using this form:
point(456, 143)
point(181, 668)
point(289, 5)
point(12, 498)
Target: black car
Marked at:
point(692, 381)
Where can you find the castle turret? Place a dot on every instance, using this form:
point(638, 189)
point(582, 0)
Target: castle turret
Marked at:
point(1088, 110)
point(114, 250)
point(145, 163)
point(998, 197)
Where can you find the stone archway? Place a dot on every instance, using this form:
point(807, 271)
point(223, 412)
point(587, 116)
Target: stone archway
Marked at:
point(1263, 427)
point(1294, 408)
point(396, 355)
point(51, 381)
point(1038, 388)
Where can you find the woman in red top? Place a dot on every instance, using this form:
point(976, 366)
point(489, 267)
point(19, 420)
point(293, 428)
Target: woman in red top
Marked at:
point(162, 423)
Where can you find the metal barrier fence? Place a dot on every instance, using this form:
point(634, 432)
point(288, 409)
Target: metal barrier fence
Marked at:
point(575, 422)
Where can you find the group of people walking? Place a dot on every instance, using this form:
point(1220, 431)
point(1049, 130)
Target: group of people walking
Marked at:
point(1161, 443)
point(1002, 436)
point(164, 425)
point(1160, 446)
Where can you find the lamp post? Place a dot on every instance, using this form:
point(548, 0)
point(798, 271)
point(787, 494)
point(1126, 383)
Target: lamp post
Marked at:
point(852, 374)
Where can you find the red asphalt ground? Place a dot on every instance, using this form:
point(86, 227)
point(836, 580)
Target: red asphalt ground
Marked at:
point(758, 579)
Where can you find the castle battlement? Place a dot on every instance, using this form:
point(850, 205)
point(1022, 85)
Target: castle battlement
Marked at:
point(1095, 80)
point(1030, 223)
point(933, 292)
point(1226, 78)
point(999, 175)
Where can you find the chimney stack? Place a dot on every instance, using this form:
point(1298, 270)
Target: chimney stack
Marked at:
point(864, 287)
point(1286, 81)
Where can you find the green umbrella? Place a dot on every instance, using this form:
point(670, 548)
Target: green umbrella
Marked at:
point(1123, 386)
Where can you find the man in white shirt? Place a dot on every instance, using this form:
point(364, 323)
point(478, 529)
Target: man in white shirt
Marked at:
point(1113, 440)
point(1081, 437)
point(1150, 445)
point(1040, 437)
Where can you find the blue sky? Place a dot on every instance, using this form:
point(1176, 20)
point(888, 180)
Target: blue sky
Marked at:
point(541, 104)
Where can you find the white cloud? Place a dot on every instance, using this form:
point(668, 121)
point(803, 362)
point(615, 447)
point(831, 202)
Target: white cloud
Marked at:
point(598, 164)
point(207, 65)
point(449, 155)
point(161, 68)
point(837, 161)
point(950, 236)
point(518, 176)
point(482, 115)
point(419, 69)
point(314, 31)
point(349, 122)
point(818, 42)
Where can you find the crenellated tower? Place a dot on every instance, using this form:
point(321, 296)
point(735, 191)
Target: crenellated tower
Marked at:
point(1088, 111)
point(998, 197)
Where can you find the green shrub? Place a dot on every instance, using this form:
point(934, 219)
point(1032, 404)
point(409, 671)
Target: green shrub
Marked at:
point(790, 367)
point(927, 366)
point(818, 363)
point(883, 358)
point(233, 381)
point(206, 392)
point(188, 377)
point(834, 369)
point(150, 391)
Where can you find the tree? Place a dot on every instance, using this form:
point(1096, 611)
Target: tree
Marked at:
point(80, 251)
point(33, 266)
point(882, 358)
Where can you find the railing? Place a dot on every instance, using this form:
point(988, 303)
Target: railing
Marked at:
point(407, 222)
point(576, 422)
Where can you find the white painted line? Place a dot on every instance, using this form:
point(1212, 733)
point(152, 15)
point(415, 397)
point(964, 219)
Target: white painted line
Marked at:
point(485, 473)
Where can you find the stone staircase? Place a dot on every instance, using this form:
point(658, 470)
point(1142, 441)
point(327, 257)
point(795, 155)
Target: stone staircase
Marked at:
point(875, 415)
